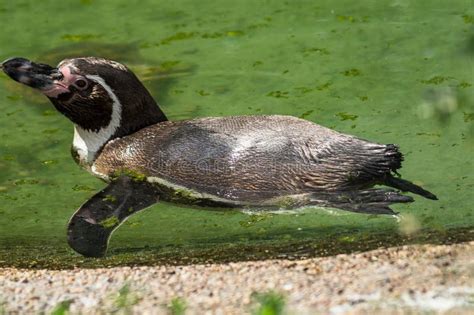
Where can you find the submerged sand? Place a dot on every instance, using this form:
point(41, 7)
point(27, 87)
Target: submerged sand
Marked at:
point(400, 280)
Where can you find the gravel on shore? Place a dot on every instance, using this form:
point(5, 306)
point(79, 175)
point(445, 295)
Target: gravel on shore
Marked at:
point(399, 280)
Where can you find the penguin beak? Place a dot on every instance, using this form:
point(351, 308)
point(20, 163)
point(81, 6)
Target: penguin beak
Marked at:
point(36, 75)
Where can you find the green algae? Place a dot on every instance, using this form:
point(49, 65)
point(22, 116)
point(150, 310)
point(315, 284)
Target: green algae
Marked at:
point(215, 35)
point(212, 35)
point(347, 239)
point(183, 194)
point(178, 36)
point(323, 86)
point(26, 181)
point(49, 162)
point(50, 131)
point(80, 37)
point(109, 222)
point(189, 197)
point(346, 116)
point(49, 112)
point(254, 219)
point(429, 134)
point(234, 33)
point(309, 51)
point(265, 55)
point(14, 112)
point(304, 90)
point(14, 98)
point(110, 198)
point(61, 257)
point(133, 174)
point(8, 157)
point(79, 187)
point(468, 19)
point(468, 117)
point(436, 80)
point(306, 113)
point(168, 65)
point(352, 72)
point(203, 93)
point(352, 19)
point(278, 94)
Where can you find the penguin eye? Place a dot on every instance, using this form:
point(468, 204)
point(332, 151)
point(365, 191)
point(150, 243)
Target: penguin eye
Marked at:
point(81, 84)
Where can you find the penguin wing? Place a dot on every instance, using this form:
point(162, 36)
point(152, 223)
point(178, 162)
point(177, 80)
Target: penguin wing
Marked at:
point(90, 227)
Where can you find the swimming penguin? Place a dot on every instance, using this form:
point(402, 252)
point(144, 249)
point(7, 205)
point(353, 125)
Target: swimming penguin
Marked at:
point(122, 137)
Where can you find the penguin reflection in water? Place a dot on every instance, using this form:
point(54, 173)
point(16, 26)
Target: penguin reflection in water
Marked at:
point(122, 137)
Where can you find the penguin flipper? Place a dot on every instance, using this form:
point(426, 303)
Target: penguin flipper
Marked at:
point(90, 227)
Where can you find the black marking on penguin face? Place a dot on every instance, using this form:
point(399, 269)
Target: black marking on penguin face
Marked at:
point(87, 104)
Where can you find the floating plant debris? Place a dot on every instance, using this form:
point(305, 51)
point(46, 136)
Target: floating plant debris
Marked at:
point(79, 187)
point(19, 182)
point(468, 19)
point(80, 37)
point(436, 80)
point(345, 116)
point(468, 117)
point(464, 84)
point(322, 51)
point(278, 94)
point(177, 36)
point(14, 98)
point(203, 93)
point(306, 113)
point(352, 72)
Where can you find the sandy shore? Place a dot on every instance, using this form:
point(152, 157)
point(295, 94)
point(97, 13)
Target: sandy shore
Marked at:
point(408, 279)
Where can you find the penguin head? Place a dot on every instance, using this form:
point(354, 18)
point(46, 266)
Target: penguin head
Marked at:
point(94, 93)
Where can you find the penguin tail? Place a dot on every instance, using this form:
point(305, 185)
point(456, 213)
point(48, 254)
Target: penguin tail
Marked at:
point(405, 185)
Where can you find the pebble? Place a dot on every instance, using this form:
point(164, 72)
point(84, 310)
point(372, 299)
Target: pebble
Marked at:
point(434, 279)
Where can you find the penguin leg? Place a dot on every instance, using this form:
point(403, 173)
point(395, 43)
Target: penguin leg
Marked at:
point(92, 224)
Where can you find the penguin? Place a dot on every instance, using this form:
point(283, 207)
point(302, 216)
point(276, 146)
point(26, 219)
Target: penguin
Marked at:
point(265, 161)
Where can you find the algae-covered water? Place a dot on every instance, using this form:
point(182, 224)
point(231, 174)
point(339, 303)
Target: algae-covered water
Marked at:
point(390, 71)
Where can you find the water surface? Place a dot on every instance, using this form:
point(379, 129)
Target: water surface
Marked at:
point(389, 71)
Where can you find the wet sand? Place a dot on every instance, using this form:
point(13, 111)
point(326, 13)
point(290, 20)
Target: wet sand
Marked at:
point(411, 279)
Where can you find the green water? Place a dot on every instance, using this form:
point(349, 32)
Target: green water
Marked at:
point(389, 71)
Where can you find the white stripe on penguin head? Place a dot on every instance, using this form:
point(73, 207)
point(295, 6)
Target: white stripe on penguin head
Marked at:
point(88, 142)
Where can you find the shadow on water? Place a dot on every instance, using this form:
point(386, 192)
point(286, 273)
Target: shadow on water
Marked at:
point(159, 77)
point(470, 44)
point(28, 254)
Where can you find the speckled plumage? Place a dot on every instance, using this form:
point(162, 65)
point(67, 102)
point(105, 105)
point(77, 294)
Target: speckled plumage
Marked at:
point(250, 158)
